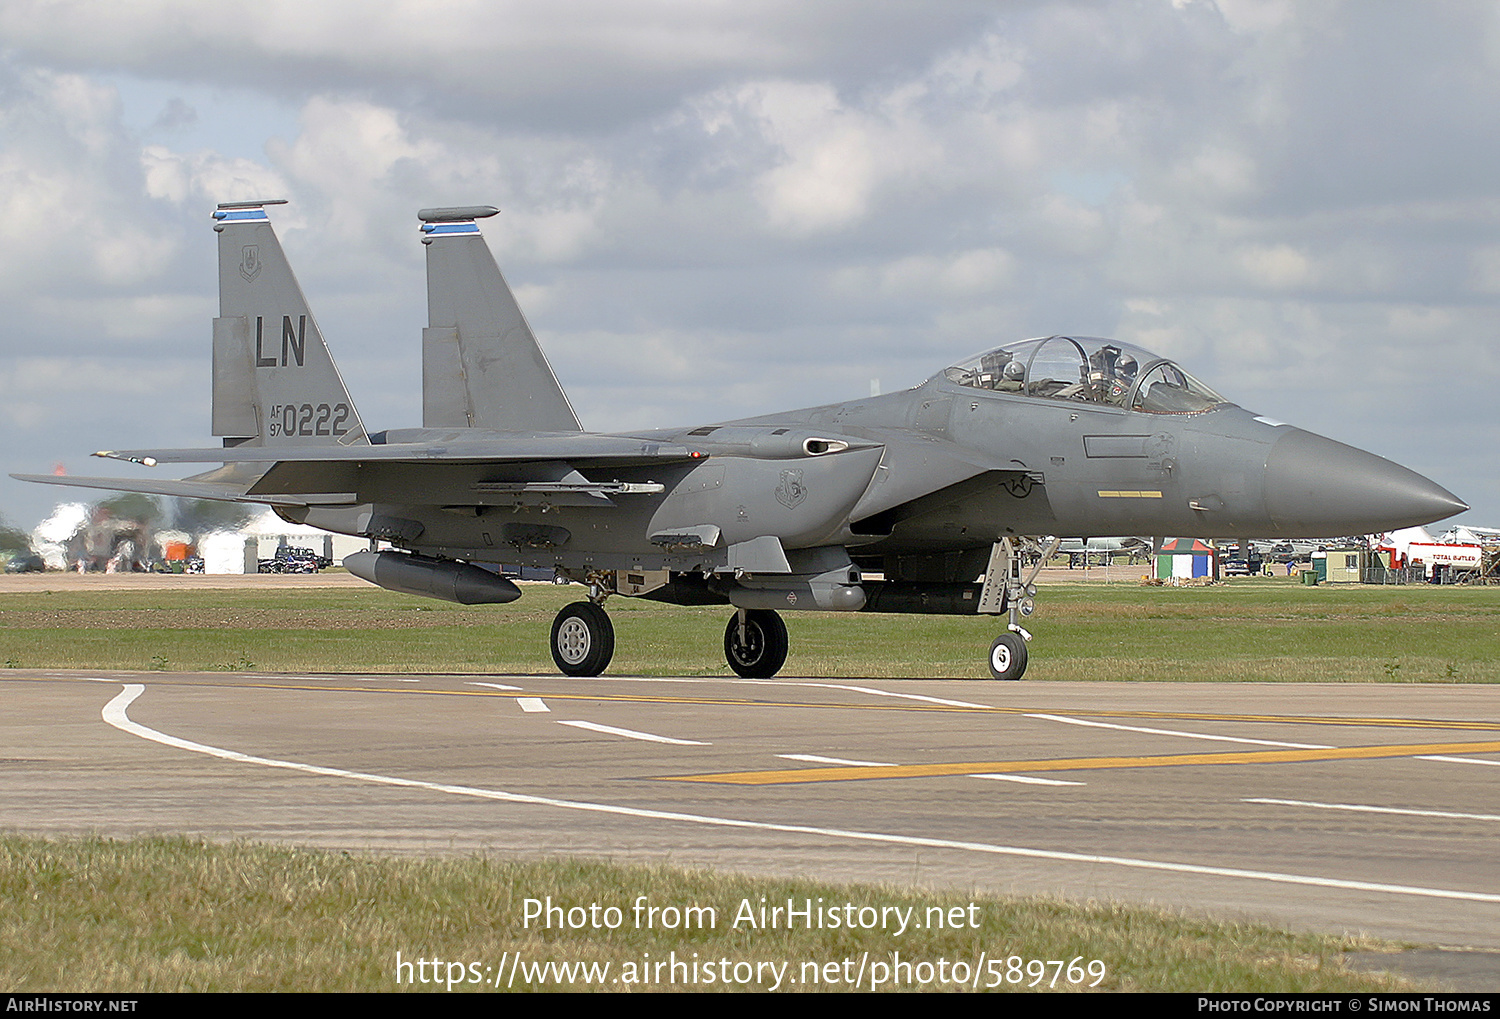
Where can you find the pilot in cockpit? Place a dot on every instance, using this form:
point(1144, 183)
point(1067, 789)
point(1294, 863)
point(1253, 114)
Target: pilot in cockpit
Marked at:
point(1115, 390)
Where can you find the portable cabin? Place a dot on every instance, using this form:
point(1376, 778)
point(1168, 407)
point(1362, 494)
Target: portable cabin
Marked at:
point(1186, 558)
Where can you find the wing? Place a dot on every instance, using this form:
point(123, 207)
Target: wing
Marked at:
point(501, 469)
point(577, 448)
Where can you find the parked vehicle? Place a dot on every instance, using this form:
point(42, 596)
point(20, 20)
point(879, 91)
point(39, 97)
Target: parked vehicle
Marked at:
point(291, 559)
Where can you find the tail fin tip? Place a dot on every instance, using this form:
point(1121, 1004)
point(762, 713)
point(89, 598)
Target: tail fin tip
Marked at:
point(457, 213)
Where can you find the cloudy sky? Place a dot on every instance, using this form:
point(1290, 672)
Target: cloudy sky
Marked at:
point(712, 210)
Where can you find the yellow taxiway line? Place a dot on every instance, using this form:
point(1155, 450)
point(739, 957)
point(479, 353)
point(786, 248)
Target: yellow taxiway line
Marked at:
point(852, 774)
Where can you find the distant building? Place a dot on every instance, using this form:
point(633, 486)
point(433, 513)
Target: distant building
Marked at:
point(1340, 565)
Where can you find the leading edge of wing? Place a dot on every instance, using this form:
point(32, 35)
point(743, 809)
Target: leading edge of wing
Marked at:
point(572, 448)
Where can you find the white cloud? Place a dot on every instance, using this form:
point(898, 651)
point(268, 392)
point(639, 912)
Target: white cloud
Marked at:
point(827, 167)
point(586, 61)
point(961, 275)
point(695, 194)
point(1252, 15)
point(1485, 269)
point(45, 392)
point(1276, 267)
point(206, 178)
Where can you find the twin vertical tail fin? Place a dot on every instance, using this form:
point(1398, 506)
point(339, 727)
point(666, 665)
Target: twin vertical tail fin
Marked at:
point(481, 364)
point(275, 383)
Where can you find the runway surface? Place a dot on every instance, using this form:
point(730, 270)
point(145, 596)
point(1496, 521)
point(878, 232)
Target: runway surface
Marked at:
point(1338, 808)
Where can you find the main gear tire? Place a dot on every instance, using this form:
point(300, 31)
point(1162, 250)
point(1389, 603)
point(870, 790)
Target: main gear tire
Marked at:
point(583, 639)
point(761, 651)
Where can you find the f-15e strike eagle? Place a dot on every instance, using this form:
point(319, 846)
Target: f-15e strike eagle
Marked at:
point(929, 488)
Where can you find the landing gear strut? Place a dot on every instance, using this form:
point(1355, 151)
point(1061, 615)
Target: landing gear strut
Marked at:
point(755, 643)
point(583, 639)
point(1006, 590)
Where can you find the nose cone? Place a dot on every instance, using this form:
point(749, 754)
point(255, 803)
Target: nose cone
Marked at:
point(1316, 487)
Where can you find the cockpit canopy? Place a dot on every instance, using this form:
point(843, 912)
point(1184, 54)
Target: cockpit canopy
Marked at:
point(1090, 370)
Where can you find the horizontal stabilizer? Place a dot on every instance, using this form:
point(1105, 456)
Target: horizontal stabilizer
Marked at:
point(179, 489)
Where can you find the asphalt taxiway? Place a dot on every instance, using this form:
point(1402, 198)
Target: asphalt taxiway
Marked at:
point(1339, 808)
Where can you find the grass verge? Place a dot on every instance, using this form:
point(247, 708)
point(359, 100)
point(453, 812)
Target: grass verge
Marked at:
point(167, 914)
point(1258, 629)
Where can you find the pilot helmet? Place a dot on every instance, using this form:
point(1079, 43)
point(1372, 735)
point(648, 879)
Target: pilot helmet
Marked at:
point(1014, 371)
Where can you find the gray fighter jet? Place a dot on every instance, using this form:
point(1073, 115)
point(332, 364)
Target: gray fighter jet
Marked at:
point(1082, 551)
point(929, 489)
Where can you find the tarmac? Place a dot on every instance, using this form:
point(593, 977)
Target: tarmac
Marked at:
point(1366, 810)
point(1336, 808)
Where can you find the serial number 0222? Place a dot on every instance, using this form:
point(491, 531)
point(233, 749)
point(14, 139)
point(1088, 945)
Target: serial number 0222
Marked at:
point(309, 419)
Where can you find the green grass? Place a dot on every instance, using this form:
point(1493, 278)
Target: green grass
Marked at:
point(1260, 629)
point(160, 914)
point(163, 914)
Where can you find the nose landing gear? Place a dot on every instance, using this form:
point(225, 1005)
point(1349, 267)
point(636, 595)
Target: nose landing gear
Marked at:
point(1005, 590)
point(1008, 656)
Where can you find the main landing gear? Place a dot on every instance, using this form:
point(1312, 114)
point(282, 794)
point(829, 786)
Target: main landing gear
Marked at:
point(583, 641)
point(1005, 590)
point(755, 643)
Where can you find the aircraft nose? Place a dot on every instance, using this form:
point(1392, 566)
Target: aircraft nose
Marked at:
point(1316, 487)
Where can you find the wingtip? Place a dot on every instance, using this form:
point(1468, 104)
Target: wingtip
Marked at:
point(109, 454)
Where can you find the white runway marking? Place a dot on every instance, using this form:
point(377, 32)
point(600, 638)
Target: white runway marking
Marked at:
point(1174, 732)
point(494, 686)
point(1377, 810)
point(115, 714)
point(1240, 739)
point(633, 734)
point(815, 759)
point(1028, 779)
point(533, 705)
point(892, 693)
